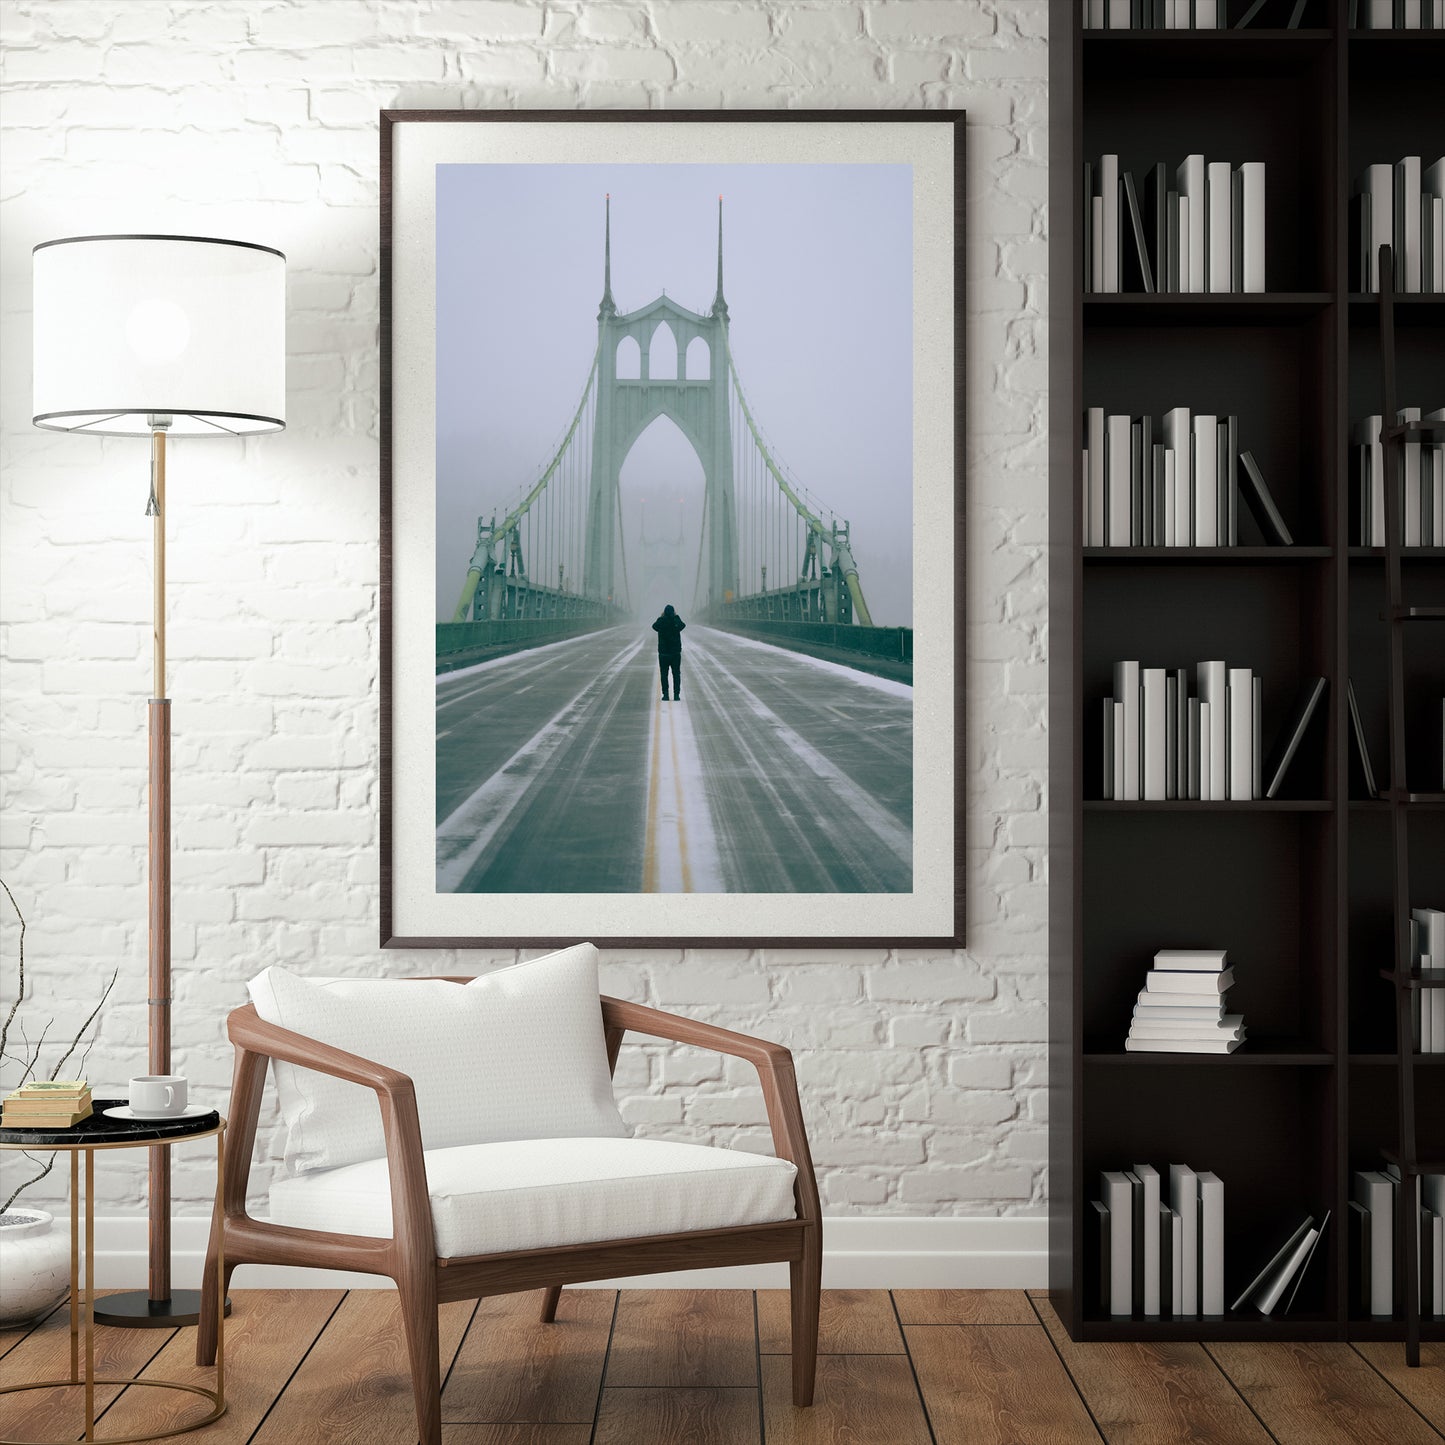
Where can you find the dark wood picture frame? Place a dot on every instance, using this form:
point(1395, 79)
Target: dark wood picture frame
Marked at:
point(945, 906)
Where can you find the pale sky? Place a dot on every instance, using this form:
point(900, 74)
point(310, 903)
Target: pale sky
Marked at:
point(818, 279)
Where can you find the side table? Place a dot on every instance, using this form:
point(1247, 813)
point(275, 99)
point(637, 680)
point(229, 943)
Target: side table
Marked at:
point(100, 1132)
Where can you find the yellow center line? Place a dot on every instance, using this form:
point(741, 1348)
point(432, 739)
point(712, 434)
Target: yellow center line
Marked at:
point(649, 852)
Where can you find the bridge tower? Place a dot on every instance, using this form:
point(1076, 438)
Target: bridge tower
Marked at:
point(627, 406)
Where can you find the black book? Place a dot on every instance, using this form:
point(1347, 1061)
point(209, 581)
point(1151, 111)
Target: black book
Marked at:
point(1101, 1215)
point(1172, 224)
point(1156, 223)
point(1257, 494)
point(1136, 485)
point(1276, 1260)
point(1236, 229)
point(1357, 730)
point(1231, 477)
point(1360, 1253)
point(1361, 229)
point(1138, 274)
point(1287, 744)
point(1088, 208)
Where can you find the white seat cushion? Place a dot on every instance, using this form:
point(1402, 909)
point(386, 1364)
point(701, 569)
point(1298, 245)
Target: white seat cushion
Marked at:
point(515, 1054)
point(537, 1193)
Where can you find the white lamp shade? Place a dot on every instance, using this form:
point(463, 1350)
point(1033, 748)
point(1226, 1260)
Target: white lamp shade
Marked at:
point(129, 328)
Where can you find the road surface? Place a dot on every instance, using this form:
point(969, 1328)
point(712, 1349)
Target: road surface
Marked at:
point(560, 770)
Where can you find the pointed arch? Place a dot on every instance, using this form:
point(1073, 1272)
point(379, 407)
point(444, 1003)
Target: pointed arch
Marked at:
point(662, 354)
point(699, 359)
point(629, 359)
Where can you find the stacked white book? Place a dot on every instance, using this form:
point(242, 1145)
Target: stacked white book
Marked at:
point(1161, 1242)
point(1181, 1008)
point(1154, 14)
point(1401, 206)
point(1427, 950)
point(1422, 484)
point(1175, 482)
point(1197, 228)
point(1159, 743)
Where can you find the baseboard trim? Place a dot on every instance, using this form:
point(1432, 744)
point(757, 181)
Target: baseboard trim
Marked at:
point(888, 1252)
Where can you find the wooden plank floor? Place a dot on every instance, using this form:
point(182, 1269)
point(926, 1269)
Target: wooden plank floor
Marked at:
point(711, 1367)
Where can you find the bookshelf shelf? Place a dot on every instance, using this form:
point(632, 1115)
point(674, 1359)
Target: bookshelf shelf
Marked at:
point(1301, 890)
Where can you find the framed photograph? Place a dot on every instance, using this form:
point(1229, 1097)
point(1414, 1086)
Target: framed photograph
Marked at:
point(672, 528)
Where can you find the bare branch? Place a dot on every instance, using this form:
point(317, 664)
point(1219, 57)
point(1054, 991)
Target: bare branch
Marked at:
point(20, 972)
point(34, 1179)
point(75, 1042)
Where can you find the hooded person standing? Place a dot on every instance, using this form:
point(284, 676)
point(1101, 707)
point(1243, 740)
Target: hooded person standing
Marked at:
point(668, 628)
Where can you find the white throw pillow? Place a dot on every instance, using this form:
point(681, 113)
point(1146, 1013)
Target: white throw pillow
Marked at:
point(515, 1054)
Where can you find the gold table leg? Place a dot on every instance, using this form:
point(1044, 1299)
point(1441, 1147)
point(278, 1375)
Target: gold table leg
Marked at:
point(90, 1294)
point(74, 1267)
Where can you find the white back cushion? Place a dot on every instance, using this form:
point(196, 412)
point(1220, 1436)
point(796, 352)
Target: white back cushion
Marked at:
point(515, 1054)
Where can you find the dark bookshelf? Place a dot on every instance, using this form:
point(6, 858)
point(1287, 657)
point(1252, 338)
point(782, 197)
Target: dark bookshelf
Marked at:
point(1298, 888)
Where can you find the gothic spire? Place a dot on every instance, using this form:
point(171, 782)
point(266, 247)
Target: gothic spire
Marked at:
point(719, 306)
point(608, 307)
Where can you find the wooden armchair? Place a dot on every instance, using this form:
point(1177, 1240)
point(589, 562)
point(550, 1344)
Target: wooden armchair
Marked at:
point(409, 1256)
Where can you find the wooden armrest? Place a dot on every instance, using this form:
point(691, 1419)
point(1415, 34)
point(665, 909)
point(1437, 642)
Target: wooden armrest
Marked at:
point(773, 1062)
point(248, 1029)
point(400, 1126)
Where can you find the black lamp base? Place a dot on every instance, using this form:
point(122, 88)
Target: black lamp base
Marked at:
point(137, 1311)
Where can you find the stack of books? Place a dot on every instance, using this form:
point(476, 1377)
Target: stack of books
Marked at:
point(47, 1104)
point(1206, 14)
point(1397, 15)
point(1158, 1258)
point(1181, 1008)
point(1203, 233)
point(1427, 950)
point(1401, 206)
point(1422, 487)
point(1372, 1240)
point(1178, 484)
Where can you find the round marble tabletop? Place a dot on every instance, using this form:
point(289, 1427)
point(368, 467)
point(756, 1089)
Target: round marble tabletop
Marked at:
point(101, 1130)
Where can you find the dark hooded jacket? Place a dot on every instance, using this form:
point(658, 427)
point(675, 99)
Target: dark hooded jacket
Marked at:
point(668, 628)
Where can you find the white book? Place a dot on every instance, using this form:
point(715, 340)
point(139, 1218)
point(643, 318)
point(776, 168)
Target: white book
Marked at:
point(1266, 1302)
point(1437, 226)
point(1206, 481)
point(1118, 484)
point(1241, 734)
point(1184, 1196)
point(1126, 692)
point(1407, 222)
point(1212, 682)
point(1149, 1219)
point(1171, 515)
point(1118, 793)
point(1432, 1195)
point(1182, 231)
point(1096, 243)
point(1210, 1007)
point(1205, 960)
point(1218, 184)
point(1378, 15)
point(1176, 1260)
point(1109, 193)
point(1119, 1200)
point(1378, 183)
point(1206, 726)
point(1374, 1191)
point(1192, 212)
point(1231, 1026)
point(1413, 17)
point(1179, 439)
point(1257, 762)
point(1205, 985)
point(1098, 526)
point(1252, 190)
point(1118, 14)
point(1211, 1245)
point(1181, 1046)
point(1412, 481)
point(1154, 681)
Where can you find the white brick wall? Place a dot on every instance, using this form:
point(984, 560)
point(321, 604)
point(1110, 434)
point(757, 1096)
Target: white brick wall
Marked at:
point(922, 1075)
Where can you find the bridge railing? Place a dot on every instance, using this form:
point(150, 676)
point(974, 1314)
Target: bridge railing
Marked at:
point(894, 644)
point(459, 644)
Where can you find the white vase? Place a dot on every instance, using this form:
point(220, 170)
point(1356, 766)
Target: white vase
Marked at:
point(34, 1264)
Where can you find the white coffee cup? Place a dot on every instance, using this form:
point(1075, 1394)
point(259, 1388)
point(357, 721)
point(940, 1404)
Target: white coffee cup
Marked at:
point(159, 1095)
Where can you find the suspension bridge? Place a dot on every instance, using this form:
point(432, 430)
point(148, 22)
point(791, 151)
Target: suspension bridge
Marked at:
point(788, 768)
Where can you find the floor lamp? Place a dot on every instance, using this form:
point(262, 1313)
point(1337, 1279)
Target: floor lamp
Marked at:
point(159, 336)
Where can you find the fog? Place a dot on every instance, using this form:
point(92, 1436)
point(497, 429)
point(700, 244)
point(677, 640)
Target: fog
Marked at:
point(818, 280)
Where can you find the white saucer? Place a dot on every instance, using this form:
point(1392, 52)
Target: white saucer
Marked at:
point(124, 1111)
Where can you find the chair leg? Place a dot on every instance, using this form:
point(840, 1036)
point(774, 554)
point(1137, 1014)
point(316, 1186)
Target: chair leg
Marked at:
point(206, 1322)
point(550, 1296)
point(805, 1277)
point(418, 1293)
